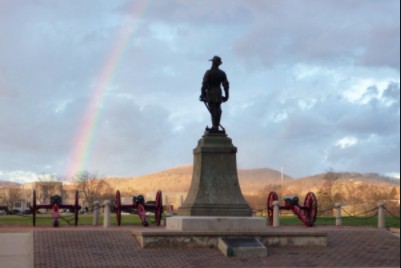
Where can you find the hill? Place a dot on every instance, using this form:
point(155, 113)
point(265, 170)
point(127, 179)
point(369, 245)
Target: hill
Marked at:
point(9, 184)
point(358, 191)
point(343, 181)
point(179, 179)
point(252, 181)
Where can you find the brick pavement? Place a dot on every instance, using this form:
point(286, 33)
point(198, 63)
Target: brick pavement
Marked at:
point(114, 247)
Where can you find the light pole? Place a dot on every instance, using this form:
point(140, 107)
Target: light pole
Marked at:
point(282, 182)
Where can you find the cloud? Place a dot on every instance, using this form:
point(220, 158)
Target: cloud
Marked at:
point(347, 142)
point(324, 33)
point(18, 176)
point(308, 121)
point(303, 78)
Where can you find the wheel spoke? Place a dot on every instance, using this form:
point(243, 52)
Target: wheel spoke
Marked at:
point(118, 207)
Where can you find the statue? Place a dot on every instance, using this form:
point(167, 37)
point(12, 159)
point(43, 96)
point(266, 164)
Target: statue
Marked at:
point(211, 93)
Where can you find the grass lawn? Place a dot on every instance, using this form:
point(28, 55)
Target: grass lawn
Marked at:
point(46, 219)
point(346, 221)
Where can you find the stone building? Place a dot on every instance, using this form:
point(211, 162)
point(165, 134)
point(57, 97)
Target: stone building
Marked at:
point(21, 198)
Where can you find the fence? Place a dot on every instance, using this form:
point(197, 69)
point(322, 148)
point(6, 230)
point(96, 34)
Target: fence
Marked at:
point(379, 211)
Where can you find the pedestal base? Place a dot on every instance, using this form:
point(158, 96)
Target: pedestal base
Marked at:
point(241, 247)
point(215, 190)
point(215, 224)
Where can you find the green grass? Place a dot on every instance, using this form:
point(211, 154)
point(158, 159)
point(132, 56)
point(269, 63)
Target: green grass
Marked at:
point(127, 220)
point(391, 222)
point(46, 220)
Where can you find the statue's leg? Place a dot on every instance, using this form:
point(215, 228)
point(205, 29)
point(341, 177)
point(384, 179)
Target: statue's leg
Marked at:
point(219, 112)
point(215, 111)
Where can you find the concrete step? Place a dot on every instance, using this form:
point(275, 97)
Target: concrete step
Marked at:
point(16, 250)
point(271, 237)
point(215, 224)
point(241, 247)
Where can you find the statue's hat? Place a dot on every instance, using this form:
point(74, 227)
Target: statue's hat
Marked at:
point(216, 59)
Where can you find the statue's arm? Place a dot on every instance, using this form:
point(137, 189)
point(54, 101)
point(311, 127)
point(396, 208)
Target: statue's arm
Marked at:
point(205, 86)
point(226, 87)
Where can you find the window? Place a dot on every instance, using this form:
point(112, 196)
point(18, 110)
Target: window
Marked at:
point(28, 204)
point(17, 204)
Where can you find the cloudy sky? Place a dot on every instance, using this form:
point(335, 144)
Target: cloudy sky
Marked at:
point(112, 87)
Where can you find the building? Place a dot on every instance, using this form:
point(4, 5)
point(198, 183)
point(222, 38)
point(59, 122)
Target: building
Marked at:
point(21, 198)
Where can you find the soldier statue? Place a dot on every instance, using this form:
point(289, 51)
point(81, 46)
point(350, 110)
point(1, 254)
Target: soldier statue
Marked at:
point(211, 93)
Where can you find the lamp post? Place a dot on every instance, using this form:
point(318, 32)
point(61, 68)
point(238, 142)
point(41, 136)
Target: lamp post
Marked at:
point(282, 182)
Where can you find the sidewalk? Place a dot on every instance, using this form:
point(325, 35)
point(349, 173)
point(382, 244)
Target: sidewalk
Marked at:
point(87, 246)
point(116, 247)
point(16, 250)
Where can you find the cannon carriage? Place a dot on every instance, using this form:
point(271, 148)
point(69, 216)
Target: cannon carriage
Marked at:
point(306, 212)
point(55, 205)
point(140, 207)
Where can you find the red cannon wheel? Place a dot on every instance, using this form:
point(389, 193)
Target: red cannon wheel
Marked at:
point(76, 208)
point(142, 214)
point(270, 199)
point(158, 208)
point(118, 207)
point(34, 208)
point(310, 204)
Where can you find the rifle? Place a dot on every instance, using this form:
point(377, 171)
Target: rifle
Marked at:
point(207, 107)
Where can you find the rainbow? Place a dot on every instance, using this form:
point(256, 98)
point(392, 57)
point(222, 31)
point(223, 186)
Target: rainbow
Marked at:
point(83, 141)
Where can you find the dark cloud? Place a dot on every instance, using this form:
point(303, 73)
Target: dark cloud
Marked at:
point(328, 33)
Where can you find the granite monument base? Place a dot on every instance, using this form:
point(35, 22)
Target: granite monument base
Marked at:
point(215, 190)
point(215, 224)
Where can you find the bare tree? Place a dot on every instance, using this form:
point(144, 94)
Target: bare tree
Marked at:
point(393, 194)
point(326, 197)
point(92, 186)
point(329, 180)
point(48, 185)
point(13, 195)
point(2, 197)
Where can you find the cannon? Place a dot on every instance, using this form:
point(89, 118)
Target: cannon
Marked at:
point(55, 205)
point(306, 213)
point(139, 207)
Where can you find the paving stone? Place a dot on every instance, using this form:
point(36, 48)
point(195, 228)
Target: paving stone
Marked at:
point(347, 247)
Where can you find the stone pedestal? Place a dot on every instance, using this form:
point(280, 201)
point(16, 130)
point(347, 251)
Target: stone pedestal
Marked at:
point(215, 190)
point(215, 224)
point(241, 247)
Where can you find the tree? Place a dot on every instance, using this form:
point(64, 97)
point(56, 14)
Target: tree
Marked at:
point(338, 198)
point(48, 185)
point(92, 186)
point(14, 195)
point(393, 195)
point(326, 197)
point(330, 179)
point(2, 197)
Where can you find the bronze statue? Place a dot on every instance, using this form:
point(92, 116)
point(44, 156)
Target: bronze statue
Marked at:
point(211, 93)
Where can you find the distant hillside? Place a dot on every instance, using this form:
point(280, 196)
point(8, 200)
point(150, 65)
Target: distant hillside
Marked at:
point(171, 180)
point(9, 184)
point(346, 180)
point(252, 182)
point(179, 179)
